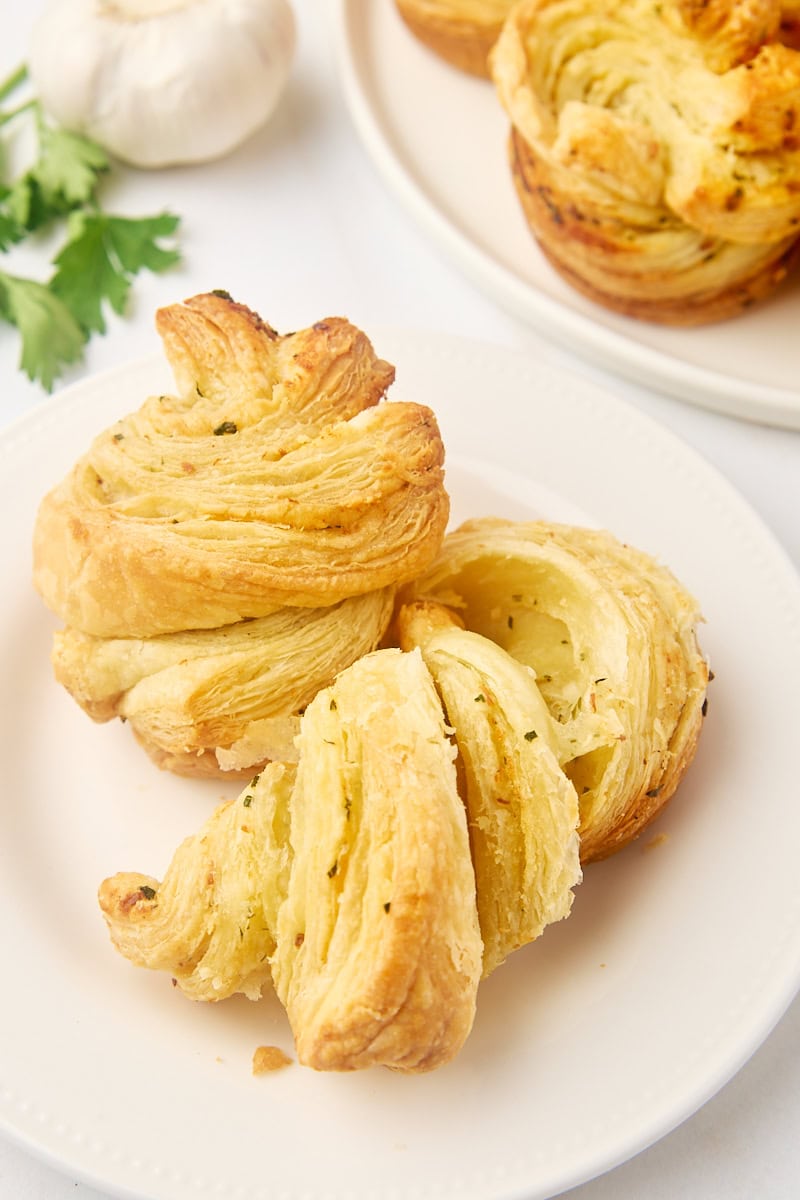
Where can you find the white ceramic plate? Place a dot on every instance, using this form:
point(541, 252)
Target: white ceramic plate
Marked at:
point(675, 964)
point(438, 137)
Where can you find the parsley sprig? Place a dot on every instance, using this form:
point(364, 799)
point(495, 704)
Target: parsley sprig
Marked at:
point(98, 257)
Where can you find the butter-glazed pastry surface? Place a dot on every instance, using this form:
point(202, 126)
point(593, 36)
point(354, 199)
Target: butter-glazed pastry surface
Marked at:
point(274, 477)
point(462, 32)
point(612, 638)
point(655, 149)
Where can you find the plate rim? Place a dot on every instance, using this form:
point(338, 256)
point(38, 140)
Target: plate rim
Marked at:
point(644, 365)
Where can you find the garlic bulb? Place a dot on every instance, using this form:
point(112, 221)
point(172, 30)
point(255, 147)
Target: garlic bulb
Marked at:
point(158, 82)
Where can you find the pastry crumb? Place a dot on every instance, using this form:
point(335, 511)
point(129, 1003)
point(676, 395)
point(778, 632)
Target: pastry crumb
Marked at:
point(269, 1058)
point(655, 842)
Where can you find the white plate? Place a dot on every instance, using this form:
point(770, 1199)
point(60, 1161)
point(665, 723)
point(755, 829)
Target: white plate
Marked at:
point(588, 1045)
point(438, 137)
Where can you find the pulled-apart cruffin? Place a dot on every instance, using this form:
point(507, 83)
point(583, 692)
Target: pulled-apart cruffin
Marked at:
point(273, 478)
point(347, 877)
point(462, 32)
point(229, 699)
point(655, 149)
point(522, 810)
point(611, 637)
point(540, 705)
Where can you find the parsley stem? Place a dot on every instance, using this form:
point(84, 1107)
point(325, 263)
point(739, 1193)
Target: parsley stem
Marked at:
point(13, 81)
point(5, 117)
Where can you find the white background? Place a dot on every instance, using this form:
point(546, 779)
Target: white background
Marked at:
point(298, 224)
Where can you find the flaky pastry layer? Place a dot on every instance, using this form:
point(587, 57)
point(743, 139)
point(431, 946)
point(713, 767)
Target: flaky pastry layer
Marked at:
point(211, 701)
point(379, 948)
point(522, 809)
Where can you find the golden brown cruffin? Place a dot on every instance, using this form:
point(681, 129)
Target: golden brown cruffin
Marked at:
point(611, 636)
point(522, 810)
point(208, 701)
point(462, 32)
point(655, 149)
point(347, 877)
point(274, 477)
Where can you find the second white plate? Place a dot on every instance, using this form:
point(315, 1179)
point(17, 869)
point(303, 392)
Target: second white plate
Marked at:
point(439, 139)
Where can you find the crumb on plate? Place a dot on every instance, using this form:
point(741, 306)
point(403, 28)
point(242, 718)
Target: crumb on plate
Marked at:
point(269, 1058)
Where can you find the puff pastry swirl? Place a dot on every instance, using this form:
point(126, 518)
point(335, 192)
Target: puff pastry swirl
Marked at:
point(655, 149)
point(274, 477)
point(611, 636)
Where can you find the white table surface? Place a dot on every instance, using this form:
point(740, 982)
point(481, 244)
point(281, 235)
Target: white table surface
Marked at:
point(298, 224)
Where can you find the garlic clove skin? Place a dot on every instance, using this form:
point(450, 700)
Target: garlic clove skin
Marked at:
point(163, 82)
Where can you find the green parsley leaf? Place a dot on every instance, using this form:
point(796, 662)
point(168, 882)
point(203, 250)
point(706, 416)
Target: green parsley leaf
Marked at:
point(68, 168)
point(24, 208)
point(135, 242)
point(63, 177)
point(51, 337)
point(101, 255)
point(97, 261)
